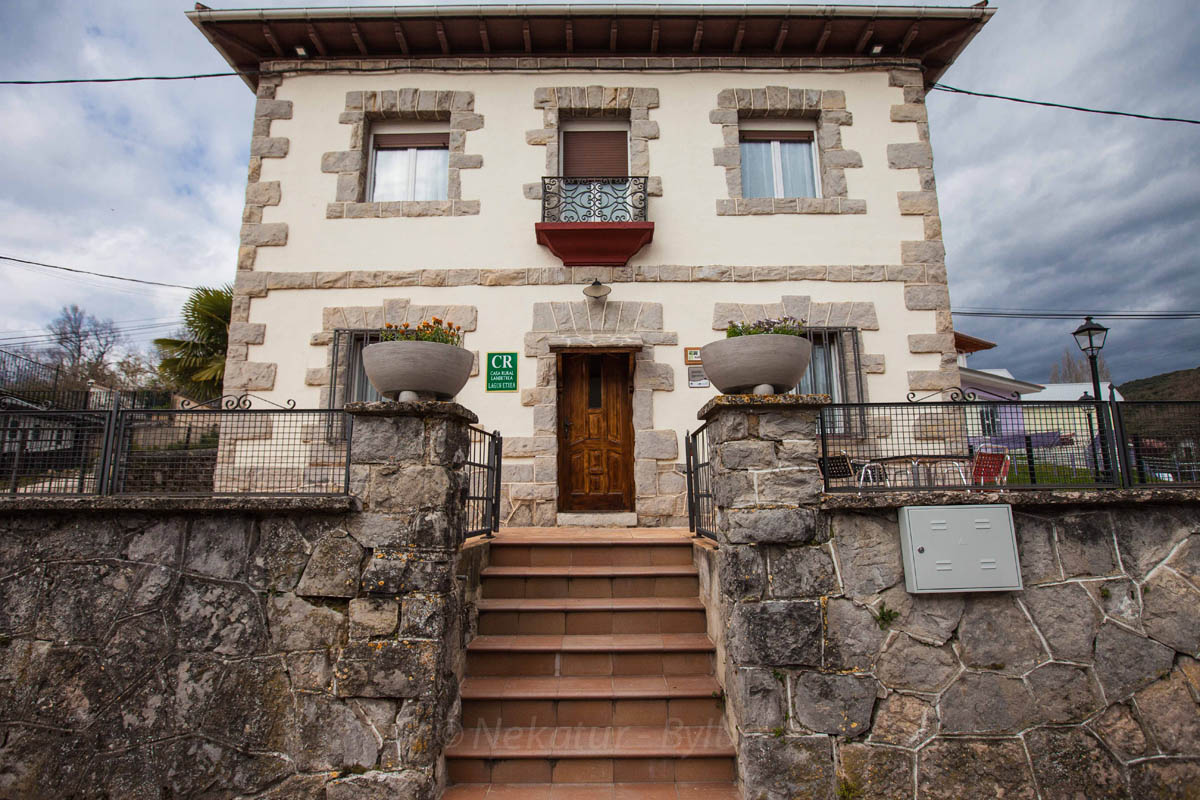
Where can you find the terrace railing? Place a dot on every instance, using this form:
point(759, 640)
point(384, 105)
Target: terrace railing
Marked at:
point(232, 450)
point(1009, 445)
point(594, 199)
point(1161, 442)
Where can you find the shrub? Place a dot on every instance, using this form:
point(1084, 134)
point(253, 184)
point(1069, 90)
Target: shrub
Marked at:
point(788, 326)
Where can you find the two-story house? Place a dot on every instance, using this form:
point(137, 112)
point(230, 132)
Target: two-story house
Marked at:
point(693, 165)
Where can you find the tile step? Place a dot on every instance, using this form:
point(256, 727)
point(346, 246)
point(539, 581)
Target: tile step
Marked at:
point(699, 742)
point(590, 770)
point(598, 571)
point(603, 688)
point(592, 791)
point(589, 604)
point(598, 643)
point(569, 712)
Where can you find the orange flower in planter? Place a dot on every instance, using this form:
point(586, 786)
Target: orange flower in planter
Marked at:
point(434, 329)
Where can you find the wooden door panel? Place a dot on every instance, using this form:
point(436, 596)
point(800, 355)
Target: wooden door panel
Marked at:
point(595, 432)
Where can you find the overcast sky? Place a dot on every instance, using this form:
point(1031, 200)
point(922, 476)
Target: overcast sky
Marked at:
point(1041, 208)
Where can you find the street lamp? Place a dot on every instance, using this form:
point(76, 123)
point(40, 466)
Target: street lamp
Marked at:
point(1090, 338)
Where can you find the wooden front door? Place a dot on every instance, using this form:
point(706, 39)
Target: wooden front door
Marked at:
point(595, 432)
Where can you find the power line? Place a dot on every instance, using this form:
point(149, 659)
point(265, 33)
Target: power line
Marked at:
point(133, 79)
point(942, 87)
point(1076, 316)
point(955, 90)
point(51, 337)
point(98, 274)
point(39, 331)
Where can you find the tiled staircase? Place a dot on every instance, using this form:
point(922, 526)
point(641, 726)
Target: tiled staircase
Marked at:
point(592, 675)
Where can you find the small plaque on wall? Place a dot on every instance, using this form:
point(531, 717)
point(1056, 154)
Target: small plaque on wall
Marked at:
point(501, 372)
point(697, 379)
point(691, 355)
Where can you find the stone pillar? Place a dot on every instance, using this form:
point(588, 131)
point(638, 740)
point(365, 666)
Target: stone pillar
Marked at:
point(405, 637)
point(776, 571)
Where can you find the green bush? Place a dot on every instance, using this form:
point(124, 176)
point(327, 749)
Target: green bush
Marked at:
point(787, 326)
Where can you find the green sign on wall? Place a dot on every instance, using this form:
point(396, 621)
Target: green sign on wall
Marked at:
point(501, 372)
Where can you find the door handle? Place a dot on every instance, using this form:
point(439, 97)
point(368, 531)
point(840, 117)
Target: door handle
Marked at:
point(567, 427)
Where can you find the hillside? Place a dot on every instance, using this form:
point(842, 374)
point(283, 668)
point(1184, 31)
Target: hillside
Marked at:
point(1181, 385)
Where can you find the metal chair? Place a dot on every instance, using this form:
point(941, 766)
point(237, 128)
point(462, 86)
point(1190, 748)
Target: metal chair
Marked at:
point(841, 467)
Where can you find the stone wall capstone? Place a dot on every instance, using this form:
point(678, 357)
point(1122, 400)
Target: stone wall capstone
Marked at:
point(840, 683)
point(228, 652)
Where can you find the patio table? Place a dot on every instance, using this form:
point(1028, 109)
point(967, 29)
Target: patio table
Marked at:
point(930, 462)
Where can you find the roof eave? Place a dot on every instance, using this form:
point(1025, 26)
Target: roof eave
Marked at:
point(998, 381)
point(943, 52)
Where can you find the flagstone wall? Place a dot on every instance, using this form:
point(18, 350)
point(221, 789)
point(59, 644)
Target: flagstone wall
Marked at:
point(1084, 684)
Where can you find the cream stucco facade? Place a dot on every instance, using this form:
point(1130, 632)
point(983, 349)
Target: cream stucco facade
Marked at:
point(315, 258)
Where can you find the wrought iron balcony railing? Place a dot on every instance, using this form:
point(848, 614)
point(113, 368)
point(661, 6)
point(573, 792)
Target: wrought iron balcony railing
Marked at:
point(594, 199)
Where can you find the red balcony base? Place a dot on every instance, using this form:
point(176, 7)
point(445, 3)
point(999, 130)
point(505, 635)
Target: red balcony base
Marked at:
point(594, 244)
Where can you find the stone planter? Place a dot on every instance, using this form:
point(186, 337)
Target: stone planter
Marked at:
point(425, 368)
point(765, 363)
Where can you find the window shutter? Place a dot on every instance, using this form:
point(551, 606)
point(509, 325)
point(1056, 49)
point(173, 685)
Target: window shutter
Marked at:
point(398, 140)
point(595, 154)
point(776, 136)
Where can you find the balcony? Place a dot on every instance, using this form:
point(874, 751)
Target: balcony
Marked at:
point(594, 221)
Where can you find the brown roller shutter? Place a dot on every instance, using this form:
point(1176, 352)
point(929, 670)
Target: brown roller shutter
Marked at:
point(399, 140)
point(776, 136)
point(595, 154)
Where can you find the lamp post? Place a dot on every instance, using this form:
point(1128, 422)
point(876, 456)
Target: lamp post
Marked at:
point(1090, 337)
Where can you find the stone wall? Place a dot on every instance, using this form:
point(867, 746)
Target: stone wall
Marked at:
point(250, 647)
point(840, 683)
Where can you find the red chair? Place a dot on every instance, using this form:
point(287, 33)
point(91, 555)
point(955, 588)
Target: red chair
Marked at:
point(990, 466)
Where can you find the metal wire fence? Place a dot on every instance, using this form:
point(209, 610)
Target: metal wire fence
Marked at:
point(1161, 442)
point(52, 452)
point(199, 451)
point(1015, 445)
point(241, 451)
point(483, 481)
point(957, 445)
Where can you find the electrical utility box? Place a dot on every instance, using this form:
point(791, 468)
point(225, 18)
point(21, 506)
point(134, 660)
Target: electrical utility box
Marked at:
point(959, 549)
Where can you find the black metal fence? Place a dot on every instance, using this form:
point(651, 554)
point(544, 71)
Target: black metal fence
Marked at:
point(18, 371)
point(197, 451)
point(52, 451)
point(483, 482)
point(1162, 442)
point(702, 509)
point(82, 399)
point(594, 199)
point(1014, 445)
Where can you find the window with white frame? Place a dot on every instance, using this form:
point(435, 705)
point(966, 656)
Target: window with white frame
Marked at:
point(826, 373)
point(778, 163)
point(409, 166)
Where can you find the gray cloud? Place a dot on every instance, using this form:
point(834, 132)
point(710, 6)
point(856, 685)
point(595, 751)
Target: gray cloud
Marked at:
point(1059, 210)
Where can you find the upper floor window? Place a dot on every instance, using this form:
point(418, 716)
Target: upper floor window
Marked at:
point(593, 184)
point(409, 166)
point(778, 163)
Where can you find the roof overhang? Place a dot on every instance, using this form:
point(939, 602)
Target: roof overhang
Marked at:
point(997, 384)
point(931, 37)
point(965, 343)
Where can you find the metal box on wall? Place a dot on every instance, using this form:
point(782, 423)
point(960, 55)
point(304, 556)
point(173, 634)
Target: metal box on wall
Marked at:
point(959, 549)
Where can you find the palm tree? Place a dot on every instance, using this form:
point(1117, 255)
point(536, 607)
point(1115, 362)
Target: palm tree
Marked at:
point(195, 361)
